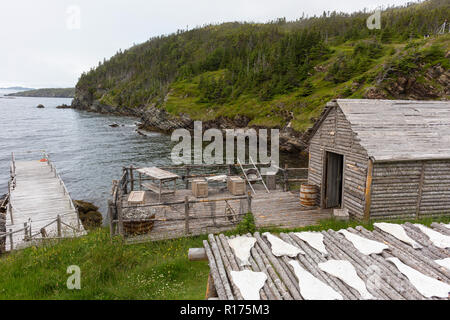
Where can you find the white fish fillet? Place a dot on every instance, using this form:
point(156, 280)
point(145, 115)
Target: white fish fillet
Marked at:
point(398, 232)
point(249, 283)
point(314, 239)
point(444, 262)
point(312, 288)
point(241, 247)
point(345, 271)
point(438, 239)
point(364, 245)
point(427, 286)
point(282, 248)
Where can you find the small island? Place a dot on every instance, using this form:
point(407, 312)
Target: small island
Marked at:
point(46, 93)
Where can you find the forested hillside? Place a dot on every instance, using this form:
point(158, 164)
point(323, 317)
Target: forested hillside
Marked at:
point(277, 74)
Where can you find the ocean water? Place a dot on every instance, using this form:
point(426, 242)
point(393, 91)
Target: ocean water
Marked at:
point(87, 152)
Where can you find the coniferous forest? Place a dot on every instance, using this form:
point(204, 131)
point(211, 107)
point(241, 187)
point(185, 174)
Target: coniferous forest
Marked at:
point(282, 72)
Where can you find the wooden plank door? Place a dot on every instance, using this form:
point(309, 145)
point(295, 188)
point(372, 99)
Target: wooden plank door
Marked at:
point(334, 174)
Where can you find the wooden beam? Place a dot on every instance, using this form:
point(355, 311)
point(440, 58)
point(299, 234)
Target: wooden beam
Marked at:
point(368, 192)
point(197, 254)
point(211, 293)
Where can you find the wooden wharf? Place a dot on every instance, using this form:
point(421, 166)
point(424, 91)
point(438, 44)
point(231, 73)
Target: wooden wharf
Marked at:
point(40, 206)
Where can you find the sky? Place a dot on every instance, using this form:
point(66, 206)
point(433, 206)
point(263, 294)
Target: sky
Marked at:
point(49, 43)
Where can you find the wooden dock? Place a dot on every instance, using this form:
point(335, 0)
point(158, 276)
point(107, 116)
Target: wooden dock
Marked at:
point(182, 214)
point(40, 206)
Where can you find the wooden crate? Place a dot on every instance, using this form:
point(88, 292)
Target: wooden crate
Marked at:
point(236, 186)
point(200, 188)
point(136, 197)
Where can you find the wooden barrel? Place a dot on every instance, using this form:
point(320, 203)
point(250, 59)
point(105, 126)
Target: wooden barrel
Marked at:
point(136, 227)
point(308, 195)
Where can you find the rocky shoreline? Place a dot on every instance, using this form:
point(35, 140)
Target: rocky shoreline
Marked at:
point(159, 120)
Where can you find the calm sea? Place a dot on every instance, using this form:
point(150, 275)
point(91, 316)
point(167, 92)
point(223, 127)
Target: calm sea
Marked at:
point(88, 153)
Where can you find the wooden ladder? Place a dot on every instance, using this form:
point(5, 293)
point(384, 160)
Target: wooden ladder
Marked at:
point(258, 175)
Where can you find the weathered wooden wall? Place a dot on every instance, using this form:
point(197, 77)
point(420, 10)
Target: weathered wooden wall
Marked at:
point(410, 189)
point(336, 135)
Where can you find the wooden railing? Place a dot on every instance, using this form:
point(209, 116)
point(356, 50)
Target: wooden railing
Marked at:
point(28, 235)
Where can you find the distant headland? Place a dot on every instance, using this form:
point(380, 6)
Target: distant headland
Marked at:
point(47, 92)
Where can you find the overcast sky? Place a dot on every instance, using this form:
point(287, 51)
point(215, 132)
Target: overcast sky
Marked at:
point(44, 44)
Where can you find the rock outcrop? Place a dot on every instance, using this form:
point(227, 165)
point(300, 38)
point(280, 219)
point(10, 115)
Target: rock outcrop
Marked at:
point(89, 215)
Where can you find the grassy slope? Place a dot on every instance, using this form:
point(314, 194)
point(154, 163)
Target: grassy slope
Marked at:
point(184, 95)
point(112, 270)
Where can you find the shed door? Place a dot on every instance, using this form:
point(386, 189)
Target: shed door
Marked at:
point(334, 172)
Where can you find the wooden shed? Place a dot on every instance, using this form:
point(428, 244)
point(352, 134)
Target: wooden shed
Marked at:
point(382, 158)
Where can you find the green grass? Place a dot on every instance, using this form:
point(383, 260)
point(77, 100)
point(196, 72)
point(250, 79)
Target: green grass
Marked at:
point(109, 270)
point(112, 270)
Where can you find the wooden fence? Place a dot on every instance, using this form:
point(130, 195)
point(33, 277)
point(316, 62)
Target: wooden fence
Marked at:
point(191, 218)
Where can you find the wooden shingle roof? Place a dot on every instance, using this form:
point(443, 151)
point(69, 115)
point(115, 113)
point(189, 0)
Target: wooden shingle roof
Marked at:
point(397, 130)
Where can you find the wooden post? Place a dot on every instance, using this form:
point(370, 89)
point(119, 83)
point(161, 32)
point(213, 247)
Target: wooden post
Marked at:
point(58, 225)
point(229, 170)
point(140, 181)
point(131, 178)
point(11, 240)
point(368, 193)
point(25, 230)
point(188, 171)
point(119, 215)
point(110, 218)
point(419, 194)
point(186, 215)
point(285, 175)
point(9, 203)
point(249, 201)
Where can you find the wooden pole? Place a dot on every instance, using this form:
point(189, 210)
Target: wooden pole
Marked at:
point(9, 203)
point(131, 178)
point(188, 171)
point(25, 230)
point(285, 176)
point(11, 240)
point(110, 218)
point(249, 201)
point(186, 215)
point(197, 254)
point(140, 181)
point(58, 225)
point(210, 288)
point(119, 215)
point(368, 192)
